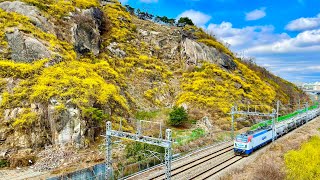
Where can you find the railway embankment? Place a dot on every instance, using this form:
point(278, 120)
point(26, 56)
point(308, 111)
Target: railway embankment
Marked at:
point(268, 162)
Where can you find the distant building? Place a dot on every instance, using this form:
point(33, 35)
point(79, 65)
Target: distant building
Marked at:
point(311, 86)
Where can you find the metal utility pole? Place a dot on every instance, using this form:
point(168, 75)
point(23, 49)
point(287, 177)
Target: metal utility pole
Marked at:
point(108, 152)
point(307, 109)
point(168, 155)
point(278, 107)
point(273, 124)
point(232, 122)
point(166, 143)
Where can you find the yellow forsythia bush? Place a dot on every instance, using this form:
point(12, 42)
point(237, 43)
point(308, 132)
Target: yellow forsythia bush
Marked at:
point(60, 8)
point(304, 163)
point(210, 87)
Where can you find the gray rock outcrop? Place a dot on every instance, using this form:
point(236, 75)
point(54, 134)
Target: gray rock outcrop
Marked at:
point(86, 31)
point(173, 45)
point(116, 51)
point(65, 125)
point(193, 51)
point(30, 11)
point(26, 49)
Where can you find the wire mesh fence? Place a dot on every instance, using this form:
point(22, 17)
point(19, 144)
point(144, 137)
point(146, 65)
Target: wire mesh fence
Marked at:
point(96, 172)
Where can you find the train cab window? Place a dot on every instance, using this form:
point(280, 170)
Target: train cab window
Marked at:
point(242, 139)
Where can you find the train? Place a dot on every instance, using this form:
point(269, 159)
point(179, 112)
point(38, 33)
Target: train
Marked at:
point(248, 142)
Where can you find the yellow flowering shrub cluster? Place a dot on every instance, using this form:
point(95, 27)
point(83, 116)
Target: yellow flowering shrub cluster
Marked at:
point(210, 87)
point(122, 28)
point(82, 83)
point(305, 162)
point(286, 91)
point(77, 81)
point(20, 70)
point(25, 118)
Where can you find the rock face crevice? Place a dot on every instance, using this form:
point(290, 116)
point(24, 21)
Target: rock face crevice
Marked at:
point(86, 31)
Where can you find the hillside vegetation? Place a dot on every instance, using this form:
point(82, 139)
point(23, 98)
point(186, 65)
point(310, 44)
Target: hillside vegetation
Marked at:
point(66, 66)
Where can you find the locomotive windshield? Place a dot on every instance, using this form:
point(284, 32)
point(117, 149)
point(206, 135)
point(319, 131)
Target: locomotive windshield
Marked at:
point(242, 138)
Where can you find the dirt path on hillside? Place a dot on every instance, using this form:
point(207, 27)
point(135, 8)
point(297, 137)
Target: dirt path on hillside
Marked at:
point(268, 163)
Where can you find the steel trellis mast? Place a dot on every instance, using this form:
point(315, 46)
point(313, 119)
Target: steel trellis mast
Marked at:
point(166, 143)
point(168, 155)
point(234, 111)
point(108, 152)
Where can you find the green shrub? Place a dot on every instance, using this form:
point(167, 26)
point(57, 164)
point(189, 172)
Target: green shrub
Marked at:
point(95, 114)
point(186, 20)
point(178, 116)
point(3, 163)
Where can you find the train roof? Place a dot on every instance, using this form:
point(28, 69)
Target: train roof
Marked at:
point(256, 131)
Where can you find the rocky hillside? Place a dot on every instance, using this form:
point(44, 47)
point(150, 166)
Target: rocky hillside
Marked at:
point(67, 65)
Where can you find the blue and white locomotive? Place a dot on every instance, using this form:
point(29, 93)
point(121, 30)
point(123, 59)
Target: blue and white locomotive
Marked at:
point(246, 143)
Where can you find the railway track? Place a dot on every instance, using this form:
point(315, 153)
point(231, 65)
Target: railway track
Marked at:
point(209, 173)
point(188, 162)
point(209, 168)
point(197, 162)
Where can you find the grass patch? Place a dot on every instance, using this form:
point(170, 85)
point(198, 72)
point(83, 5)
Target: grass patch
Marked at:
point(146, 115)
point(183, 137)
point(223, 136)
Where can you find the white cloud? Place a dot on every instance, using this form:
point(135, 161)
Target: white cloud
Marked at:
point(149, 1)
point(293, 58)
point(292, 68)
point(307, 41)
point(256, 14)
point(243, 38)
point(256, 40)
point(199, 18)
point(304, 24)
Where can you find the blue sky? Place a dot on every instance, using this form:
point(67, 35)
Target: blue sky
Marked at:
point(282, 35)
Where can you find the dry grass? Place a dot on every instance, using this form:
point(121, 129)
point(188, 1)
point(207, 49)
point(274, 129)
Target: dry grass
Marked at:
point(268, 169)
point(21, 161)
